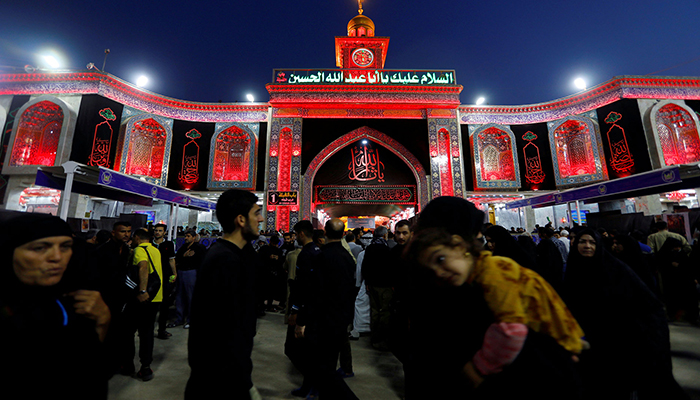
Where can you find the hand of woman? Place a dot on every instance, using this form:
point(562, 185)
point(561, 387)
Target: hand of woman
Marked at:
point(472, 374)
point(90, 304)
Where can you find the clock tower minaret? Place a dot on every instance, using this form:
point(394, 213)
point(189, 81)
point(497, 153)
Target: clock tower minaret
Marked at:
point(360, 48)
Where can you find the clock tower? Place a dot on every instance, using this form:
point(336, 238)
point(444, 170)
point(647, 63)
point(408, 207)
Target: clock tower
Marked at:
point(360, 48)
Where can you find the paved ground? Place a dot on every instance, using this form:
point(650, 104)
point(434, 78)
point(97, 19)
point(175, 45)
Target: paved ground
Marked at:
point(378, 375)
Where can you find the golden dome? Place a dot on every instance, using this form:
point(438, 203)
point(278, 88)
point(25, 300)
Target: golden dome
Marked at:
point(361, 21)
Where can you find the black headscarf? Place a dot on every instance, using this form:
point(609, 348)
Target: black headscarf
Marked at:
point(39, 326)
point(20, 230)
point(507, 246)
point(623, 321)
point(456, 215)
point(633, 257)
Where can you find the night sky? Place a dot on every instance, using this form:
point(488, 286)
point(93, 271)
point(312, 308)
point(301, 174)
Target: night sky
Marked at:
point(511, 52)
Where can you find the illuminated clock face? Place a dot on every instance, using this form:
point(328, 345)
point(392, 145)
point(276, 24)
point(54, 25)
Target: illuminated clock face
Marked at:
point(362, 57)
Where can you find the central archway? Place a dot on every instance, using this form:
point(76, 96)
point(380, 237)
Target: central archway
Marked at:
point(363, 133)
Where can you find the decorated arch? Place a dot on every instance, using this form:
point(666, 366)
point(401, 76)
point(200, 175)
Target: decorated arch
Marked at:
point(346, 140)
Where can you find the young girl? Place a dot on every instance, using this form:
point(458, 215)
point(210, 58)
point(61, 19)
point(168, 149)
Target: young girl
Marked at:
point(527, 312)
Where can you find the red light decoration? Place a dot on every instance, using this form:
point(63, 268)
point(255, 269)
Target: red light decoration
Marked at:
point(189, 173)
point(620, 157)
point(231, 155)
point(495, 155)
point(676, 196)
point(445, 162)
point(285, 160)
point(572, 141)
point(678, 135)
point(102, 140)
point(37, 136)
point(282, 218)
point(533, 162)
point(146, 149)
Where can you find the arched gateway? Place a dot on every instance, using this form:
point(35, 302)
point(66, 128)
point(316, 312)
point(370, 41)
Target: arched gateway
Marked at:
point(371, 168)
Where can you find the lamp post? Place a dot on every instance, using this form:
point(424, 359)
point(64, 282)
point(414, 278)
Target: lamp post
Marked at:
point(105, 61)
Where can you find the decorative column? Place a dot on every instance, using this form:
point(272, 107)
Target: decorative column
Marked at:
point(445, 155)
point(284, 170)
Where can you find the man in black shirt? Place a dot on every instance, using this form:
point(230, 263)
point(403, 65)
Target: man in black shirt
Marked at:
point(299, 290)
point(377, 273)
point(223, 306)
point(188, 259)
point(167, 258)
point(328, 312)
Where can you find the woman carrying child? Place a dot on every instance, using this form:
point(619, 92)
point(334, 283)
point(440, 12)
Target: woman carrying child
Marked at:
point(528, 339)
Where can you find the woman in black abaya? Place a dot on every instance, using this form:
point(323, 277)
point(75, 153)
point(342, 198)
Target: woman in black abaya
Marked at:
point(502, 243)
point(51, 330)
point(624, 323)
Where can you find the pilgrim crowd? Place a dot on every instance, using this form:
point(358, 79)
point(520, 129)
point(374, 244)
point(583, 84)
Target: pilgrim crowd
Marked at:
point(470, 309)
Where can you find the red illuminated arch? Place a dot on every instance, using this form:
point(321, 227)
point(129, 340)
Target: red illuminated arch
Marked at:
point(351, 137)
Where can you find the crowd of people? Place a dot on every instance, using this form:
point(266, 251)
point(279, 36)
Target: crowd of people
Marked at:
point(470, 309)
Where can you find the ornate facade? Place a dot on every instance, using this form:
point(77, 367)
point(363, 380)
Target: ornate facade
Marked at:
point(358, 135)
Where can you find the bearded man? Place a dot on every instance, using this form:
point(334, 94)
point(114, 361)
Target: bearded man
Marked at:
point(223, 317)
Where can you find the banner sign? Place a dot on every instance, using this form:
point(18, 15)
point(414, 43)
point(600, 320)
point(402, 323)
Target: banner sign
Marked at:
point(366, 194)
point(366, 223)
point(363, 77)
point(282, 198)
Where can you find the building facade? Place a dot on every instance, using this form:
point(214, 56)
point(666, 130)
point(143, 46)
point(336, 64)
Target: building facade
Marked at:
point(356, 140)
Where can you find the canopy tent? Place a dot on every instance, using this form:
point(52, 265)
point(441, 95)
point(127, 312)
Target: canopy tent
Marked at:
point(667, 179)
point(103, 182)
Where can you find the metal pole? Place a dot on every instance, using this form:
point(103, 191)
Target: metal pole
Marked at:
point(170, 222)
point(105, 61)
point(175, 222)
point(571, 221)
point(65, 196)
point(578, 213)
point(520, 216)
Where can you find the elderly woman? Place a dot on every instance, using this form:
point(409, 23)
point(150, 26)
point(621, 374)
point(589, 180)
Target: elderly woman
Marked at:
point(51, 328)
point(624, 324)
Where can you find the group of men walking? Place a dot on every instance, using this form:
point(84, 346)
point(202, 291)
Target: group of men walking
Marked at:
point(217, 300)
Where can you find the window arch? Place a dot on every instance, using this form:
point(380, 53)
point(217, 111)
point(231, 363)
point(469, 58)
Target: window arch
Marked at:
point(231, 155)
point(38, 134)
point(146, 149)
point(677, 134)
point(574, 147)
point(496, 156)
point(495, 159)
point(577, 150)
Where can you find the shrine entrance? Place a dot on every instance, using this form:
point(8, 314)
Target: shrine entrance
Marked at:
point(364, 175)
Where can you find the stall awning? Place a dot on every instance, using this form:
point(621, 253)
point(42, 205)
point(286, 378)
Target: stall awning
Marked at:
point(541, 200)
point(667, 179)
point(103, 182)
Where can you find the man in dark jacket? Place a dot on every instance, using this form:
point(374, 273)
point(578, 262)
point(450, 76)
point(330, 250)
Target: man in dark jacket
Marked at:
point(223, 306)
point(299, 291)
point(377, 273)
point(329, 312)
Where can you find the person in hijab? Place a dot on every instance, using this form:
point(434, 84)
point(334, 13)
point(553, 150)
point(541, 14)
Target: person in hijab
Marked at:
point(627, 249)
point(50, 327)
point(624, 323)
point(678, 281)
point(526, 343)
point(503, 244)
